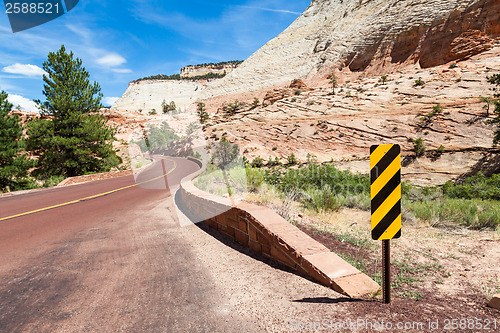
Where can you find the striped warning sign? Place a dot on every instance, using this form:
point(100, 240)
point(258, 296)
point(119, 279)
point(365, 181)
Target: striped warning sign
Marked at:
point(385, 175)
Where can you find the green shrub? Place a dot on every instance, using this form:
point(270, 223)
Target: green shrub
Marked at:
point(257, 162)
point(201, 111)
point(168, 107)
point(224, 153)
point(53, 181)
point(320, 198)
point(256, 102)
point(473, 214)
point(273, 162)
point(292, 160)
point(323, 186)
point(495, 79)
point(436, 153)
point(418, 147)
point(255, 178)
point(475, 187)
point(419, 82)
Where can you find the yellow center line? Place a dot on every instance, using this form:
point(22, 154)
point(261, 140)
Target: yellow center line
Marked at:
point(87, 198)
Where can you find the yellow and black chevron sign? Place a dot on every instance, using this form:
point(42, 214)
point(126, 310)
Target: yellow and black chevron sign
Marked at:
point(385, 175)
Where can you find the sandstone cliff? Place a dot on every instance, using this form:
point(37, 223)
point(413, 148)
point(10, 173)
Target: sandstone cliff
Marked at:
point(200, 70)
point(368, 35)
point(451, 46)
point(145, 96)
point(376, 36)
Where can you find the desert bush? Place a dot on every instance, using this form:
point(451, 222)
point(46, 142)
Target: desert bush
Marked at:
point(333, 81)
point(53, 181)
point(225, 153)
point(472, 214)
point(475, 187)
point(292, 160)
point(202, 113)
point(418, 147)
point(255, 178)
point(419, 82)
point(168, 107)
point(495, 79)
point(435, 153)
point(257, 162)
point(273, 162)
point(323, 186)
point(256, 102)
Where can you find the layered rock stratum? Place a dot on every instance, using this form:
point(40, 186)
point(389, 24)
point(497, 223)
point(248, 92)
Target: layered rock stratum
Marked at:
point(377, 36)
point(451, 46)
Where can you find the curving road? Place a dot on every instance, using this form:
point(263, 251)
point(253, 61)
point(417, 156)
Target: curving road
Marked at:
point(110, 256)
point(100, 261)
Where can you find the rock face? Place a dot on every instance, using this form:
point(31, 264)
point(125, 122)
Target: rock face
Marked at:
point(145, 96)
point(366, 110)
point(369, 35)
point(376, 36)
point(395, 61)
point(200, 70)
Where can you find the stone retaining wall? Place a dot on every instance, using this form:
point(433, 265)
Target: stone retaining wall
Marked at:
point(268, 234)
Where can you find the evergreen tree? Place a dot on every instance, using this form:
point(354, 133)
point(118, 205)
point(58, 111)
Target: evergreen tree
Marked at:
point(495, 79)
point(334, 82)
point(75, 140)
point(225, 153)
point(13, 165)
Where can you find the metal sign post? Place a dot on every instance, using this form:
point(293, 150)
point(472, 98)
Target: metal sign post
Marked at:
point(385, 177)
point(386, 270)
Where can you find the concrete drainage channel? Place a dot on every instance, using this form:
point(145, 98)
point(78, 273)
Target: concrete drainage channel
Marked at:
point(268, 234)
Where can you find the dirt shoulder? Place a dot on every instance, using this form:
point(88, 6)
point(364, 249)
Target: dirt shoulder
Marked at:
point(437, 274)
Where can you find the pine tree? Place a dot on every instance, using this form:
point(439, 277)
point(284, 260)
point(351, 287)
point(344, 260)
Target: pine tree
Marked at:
point(334, 82)
point(76, 140)
point(13, 165)
point(495, 79)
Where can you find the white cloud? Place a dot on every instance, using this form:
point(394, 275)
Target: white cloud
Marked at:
point(111, 60)
point(109, 100)
point(25, 103)
point(26, 70)
point(285, 11)
point(122, 70)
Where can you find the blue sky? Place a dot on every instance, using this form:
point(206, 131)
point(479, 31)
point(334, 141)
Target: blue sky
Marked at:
point(120, 41)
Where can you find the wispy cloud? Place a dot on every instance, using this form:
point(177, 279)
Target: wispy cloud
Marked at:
point(111, 60)
point(101, 57)
point(26, 70)
point(121, 70)
point(285, 11)
point(237, 32)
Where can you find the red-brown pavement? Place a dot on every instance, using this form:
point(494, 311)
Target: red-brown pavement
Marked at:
point(121, 262)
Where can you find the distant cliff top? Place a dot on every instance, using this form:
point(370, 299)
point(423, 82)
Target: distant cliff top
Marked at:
point(232, 63)
point(205, 71)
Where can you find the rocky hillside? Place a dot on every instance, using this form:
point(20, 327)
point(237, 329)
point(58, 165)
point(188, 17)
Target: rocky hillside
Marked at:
point(406, 69)
point(441, 105)
point(147, 95)
point(375, 36)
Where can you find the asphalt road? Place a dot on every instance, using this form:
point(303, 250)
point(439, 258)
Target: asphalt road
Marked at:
point(105, 263)
point(110, 256)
